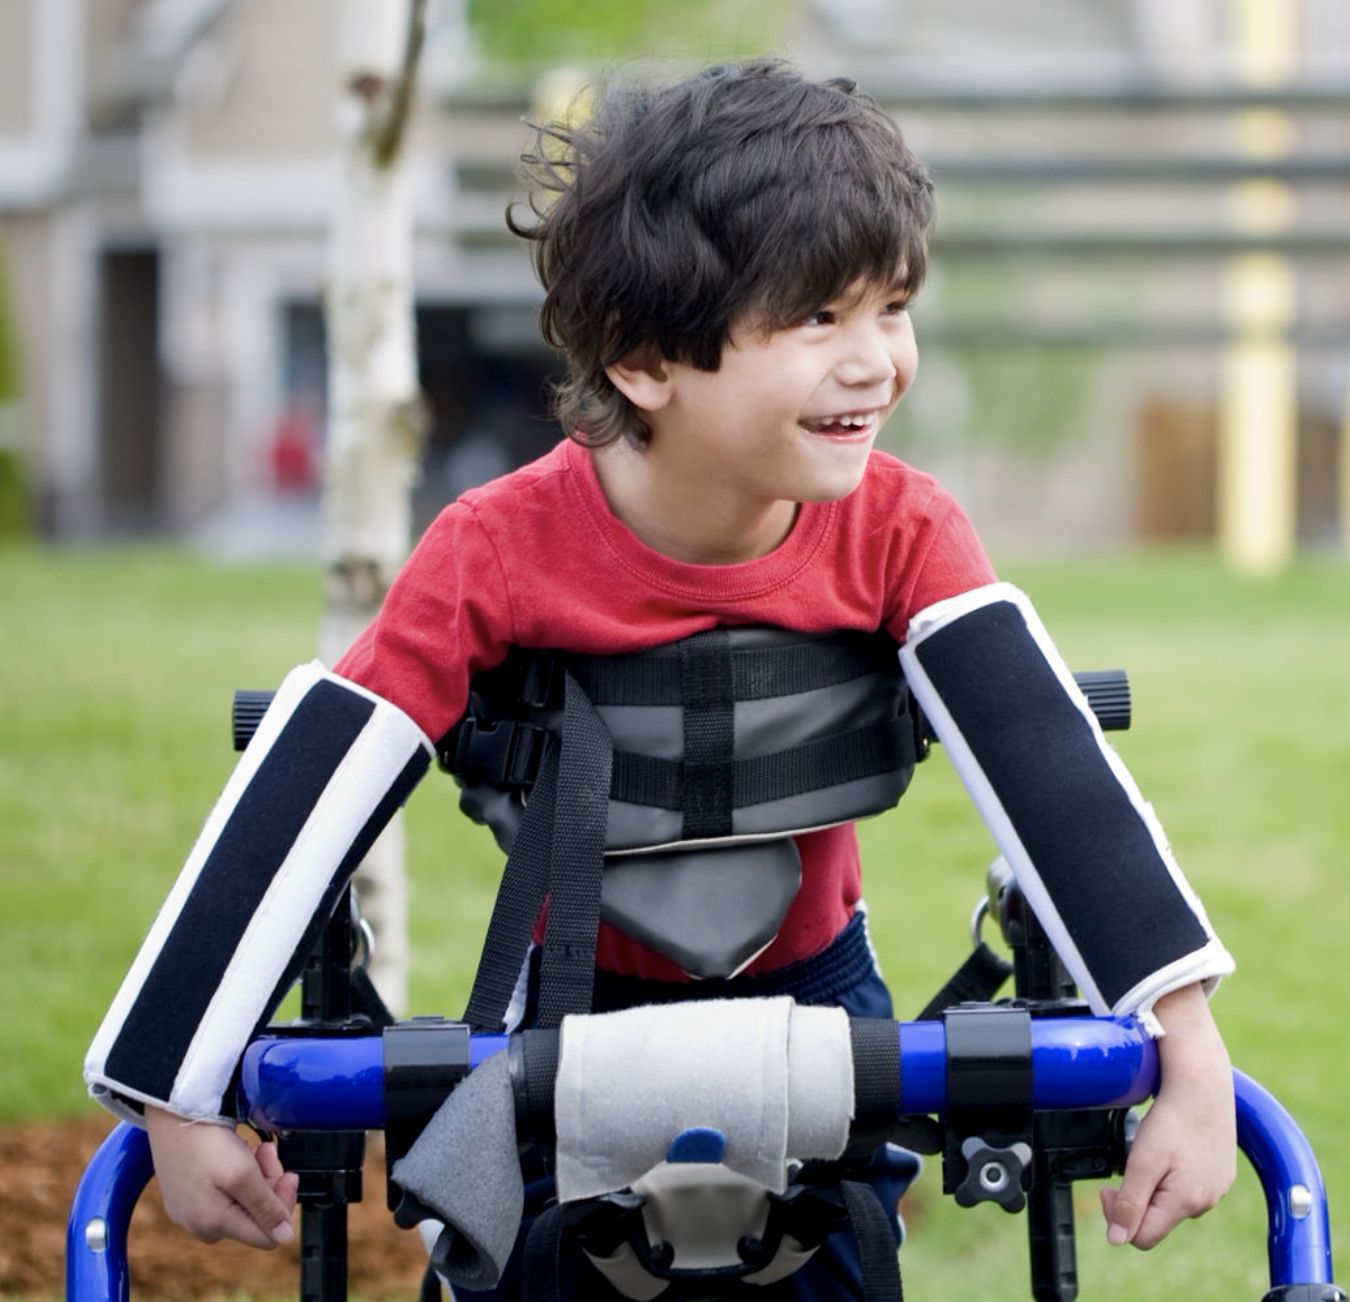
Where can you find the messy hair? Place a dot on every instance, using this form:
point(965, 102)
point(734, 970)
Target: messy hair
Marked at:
point(669, 215)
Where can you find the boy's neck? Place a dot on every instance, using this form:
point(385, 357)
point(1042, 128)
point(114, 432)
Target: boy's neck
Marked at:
point(701, 527)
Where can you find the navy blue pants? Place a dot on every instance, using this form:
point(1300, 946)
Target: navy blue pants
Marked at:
point(844, 976)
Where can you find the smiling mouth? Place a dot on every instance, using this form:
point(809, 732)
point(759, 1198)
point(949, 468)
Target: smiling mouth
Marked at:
point(852, 425)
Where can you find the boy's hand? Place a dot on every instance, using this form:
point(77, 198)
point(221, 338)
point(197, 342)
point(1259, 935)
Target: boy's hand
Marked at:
point(1184, 1157)
point(216, 1186)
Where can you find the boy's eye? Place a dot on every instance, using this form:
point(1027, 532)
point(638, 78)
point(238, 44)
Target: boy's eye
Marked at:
point(897, 307)
point(823, 317)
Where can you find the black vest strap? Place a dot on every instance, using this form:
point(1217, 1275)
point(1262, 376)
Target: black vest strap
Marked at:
point(541, 1264)
point(520, 896)
point(559, 850)
point(877, 1253)
point(707, 771)
point(975, 981)
point(580, 817)
point(757, 673)
point(670, 784)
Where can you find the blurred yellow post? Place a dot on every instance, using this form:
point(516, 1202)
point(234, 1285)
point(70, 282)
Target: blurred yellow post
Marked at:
point(1258, 409)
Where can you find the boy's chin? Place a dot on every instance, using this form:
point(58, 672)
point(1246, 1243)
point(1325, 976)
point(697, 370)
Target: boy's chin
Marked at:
point(837, 487)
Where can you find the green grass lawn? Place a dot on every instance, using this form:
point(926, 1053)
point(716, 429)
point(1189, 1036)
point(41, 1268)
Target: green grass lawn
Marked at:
point(118, 667)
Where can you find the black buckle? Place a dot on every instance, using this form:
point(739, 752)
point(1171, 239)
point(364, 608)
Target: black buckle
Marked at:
point(504, 754)
point(537, 682)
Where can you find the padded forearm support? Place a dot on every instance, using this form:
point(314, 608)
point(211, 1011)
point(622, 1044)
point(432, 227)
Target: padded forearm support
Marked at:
point(324, 773)
point(1087, 850)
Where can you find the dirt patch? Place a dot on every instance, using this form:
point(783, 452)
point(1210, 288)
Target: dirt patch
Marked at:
point(43, 1164)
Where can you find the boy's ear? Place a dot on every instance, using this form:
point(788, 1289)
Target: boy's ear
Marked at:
point(642, 378)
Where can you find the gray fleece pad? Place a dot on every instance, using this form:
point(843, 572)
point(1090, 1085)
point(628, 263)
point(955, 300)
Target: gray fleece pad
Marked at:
point(465, 1168)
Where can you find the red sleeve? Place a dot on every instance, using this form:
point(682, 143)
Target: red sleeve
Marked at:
point(447, 616)
point(945, 558)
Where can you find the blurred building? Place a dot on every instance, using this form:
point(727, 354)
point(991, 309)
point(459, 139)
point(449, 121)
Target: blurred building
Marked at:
point(165, 172)
point(165, 184)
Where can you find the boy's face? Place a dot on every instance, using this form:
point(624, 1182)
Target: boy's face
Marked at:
point(791, 414)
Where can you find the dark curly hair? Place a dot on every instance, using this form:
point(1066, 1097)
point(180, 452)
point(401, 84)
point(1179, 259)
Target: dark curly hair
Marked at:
point(671, 214)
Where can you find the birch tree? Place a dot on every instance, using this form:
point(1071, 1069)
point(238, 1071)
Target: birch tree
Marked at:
point(376, 416)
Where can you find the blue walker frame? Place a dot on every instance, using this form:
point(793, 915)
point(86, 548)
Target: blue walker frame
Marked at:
point(324, 1083)
point(322, 1079)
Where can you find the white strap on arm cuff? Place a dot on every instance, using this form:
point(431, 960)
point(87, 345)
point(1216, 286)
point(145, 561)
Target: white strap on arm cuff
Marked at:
point(328, 766)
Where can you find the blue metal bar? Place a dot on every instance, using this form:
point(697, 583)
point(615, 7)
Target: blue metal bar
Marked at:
point(296, 1083)
point(1296, 1199)
point(96, 1236)
point(1078, 1062)
point(324, 1083)
point(1091, 1062)
point(313, 1084)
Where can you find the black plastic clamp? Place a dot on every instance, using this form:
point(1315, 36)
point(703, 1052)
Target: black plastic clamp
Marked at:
point(424, 1059)
point(989, 1062)
point(988, 1155)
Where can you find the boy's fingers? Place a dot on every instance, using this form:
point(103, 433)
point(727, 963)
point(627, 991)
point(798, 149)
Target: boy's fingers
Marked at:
point(285, 1184)
point(1125, 1207)
point(287, 1188)
point(215, 1215)
point(1116, 1232)
point(1144, 1224)
point(234, 1222)
point(252, 1192)
point(269, 1163)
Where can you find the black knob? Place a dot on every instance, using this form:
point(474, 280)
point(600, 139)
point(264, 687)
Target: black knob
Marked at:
point(994, 1174)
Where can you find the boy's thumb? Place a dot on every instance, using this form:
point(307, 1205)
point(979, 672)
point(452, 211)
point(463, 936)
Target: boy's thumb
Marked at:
point(1118, 1230)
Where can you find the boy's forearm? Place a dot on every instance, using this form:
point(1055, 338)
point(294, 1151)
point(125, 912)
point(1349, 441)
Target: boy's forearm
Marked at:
point(1185, 1010)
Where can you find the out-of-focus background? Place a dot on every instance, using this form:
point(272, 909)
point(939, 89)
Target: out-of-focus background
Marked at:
point(1142, 239)
point(1135, 343)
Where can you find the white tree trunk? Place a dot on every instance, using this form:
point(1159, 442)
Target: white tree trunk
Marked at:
point(376, 418)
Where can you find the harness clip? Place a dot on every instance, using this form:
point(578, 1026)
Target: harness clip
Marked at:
point(503, 754)
point(537, 680)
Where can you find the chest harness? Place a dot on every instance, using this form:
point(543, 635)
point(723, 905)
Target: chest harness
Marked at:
point(661, 791)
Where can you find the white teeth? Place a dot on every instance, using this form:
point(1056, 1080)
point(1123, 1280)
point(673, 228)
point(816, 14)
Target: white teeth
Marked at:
point(852, 421)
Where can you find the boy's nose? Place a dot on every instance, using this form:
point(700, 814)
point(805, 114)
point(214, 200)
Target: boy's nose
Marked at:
point(867, 359)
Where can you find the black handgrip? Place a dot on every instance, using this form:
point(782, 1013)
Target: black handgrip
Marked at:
point(1107, 692)
point(247, 714)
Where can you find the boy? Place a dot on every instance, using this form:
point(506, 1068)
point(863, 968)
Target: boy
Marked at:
point(728, 264)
